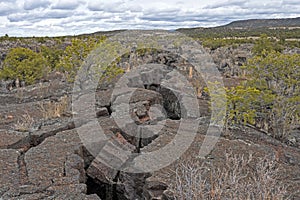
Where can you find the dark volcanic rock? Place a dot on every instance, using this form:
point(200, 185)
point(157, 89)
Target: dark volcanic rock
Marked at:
point(102, 112)
point(9, 169)
point(53, 154)
point(53, 169)
point(230, 59)
point(50, 158)
point(10, 138)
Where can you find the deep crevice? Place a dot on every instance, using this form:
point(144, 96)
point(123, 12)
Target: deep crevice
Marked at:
point(129, 138)
point(153, 87)
point(109, 109)
point(138, 148)
point(94, 187)
point(112, 190)
point(33, 141)
point(170, 101)
point(22, 169)
point(114, 187)
point(106, 191)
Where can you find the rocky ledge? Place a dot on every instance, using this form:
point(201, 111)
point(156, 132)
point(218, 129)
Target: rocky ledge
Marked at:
point(46, 154)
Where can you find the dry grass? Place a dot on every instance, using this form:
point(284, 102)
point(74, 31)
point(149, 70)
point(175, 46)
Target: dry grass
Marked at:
point(20, 94)
point(235, 180)
point(24, 123)
point(52, 109)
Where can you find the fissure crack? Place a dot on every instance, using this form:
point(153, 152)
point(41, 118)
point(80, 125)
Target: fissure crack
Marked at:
point(23, 179)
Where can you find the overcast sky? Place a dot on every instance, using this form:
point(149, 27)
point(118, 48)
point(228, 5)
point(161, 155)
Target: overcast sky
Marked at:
point(71, 17)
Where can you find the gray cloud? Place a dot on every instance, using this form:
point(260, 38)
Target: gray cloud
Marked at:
point(113, 7)
point(32, 4)
point(290, 2)
point(66, 4)
point(57, 14)
point(38, 16)
point(226, 3)
point(98, 6)
point(69, 17)
point(6, 8)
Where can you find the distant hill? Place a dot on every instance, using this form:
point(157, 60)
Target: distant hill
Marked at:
point(265, 23)
point(285, 28)
point(251, 27)
point(103, 33)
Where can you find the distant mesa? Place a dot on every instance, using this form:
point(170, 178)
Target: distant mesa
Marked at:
point(265, 23)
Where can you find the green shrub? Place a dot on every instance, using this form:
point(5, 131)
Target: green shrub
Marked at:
point(25, 65)
point(74, 55)
point(268, 99)
point(214, 43)
point(276, 75)
point(266, 44)
point(52, 55)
